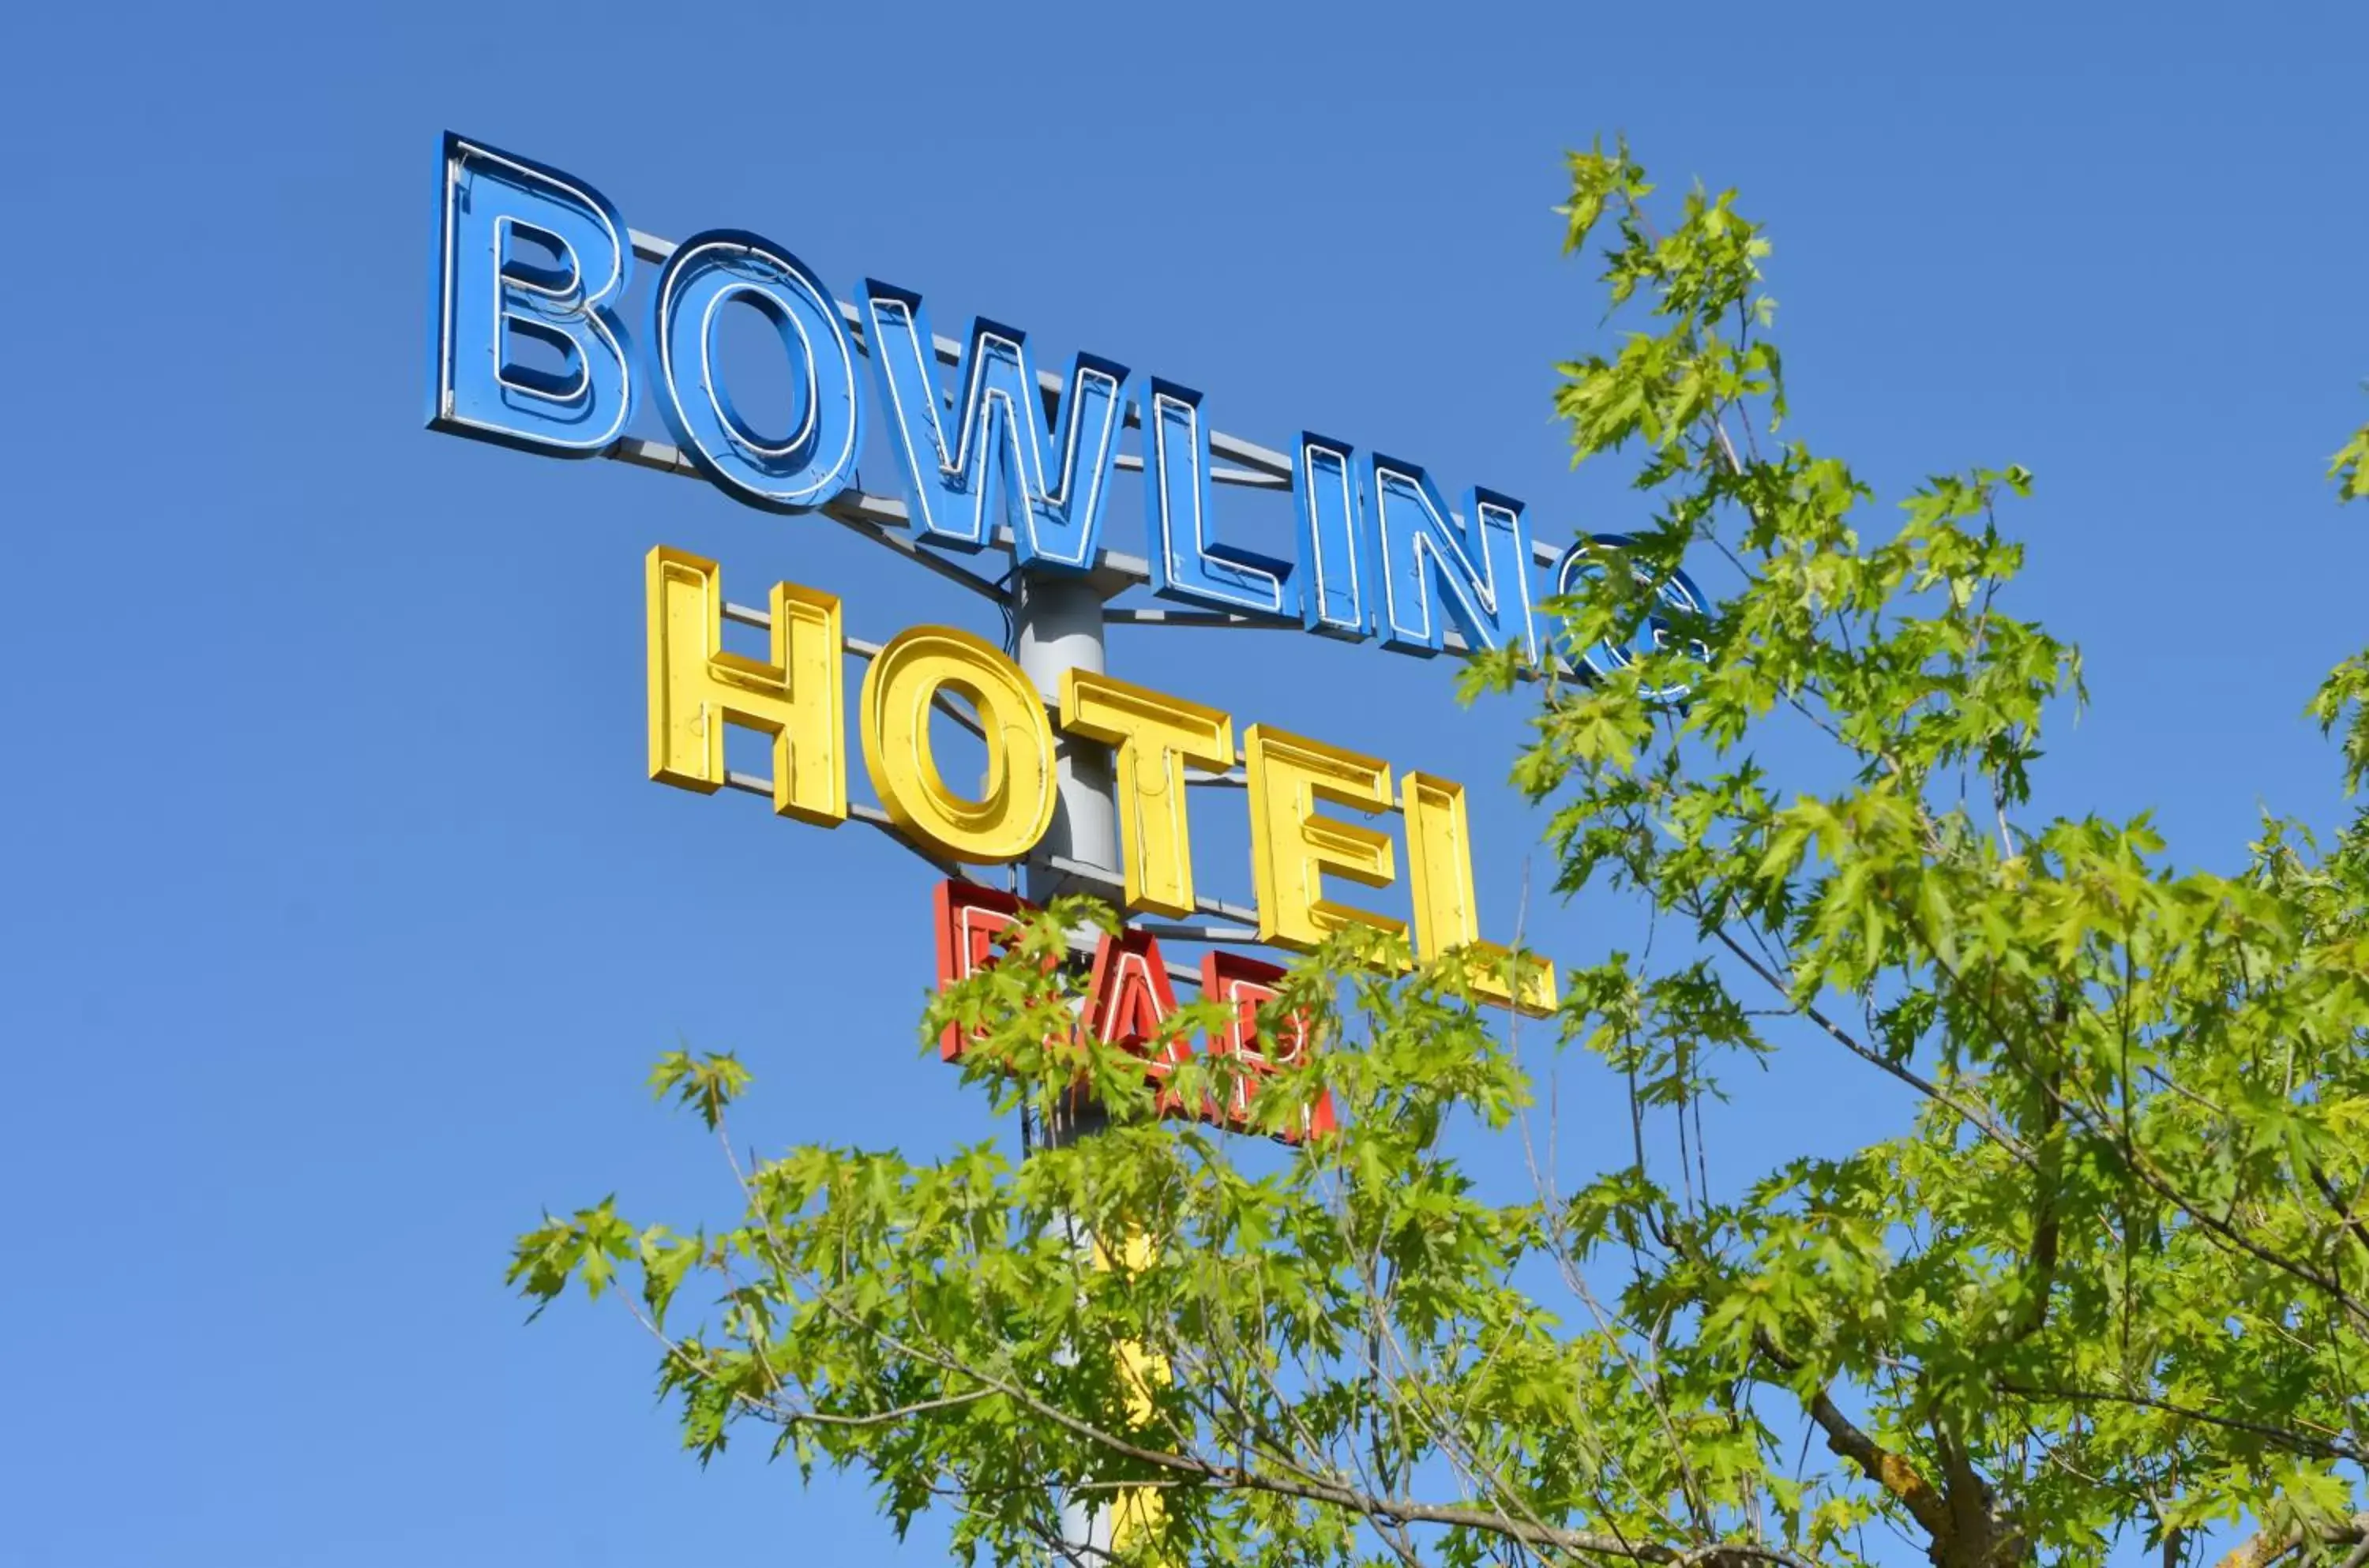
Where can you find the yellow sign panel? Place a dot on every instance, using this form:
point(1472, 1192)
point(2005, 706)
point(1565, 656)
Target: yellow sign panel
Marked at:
point(696, 688)
point(1446, 918)
point(1293, 848)
point(1016, 807)
point(1156, 734)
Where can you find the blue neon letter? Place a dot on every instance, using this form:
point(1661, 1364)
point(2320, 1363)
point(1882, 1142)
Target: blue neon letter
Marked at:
point(1480, 565)
point(1053, 483)
point(1188, 564)
point(526, 256)
point(816, 459)
point(1332, 540)
point(1591, 556)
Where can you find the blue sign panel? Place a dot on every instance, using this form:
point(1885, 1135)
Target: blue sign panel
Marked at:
point(526, 346)
point(1188, 563)
point(1332, 540)
point(1052, 483)
point(816, 459)
point(1590, 557)
point(1481, 568)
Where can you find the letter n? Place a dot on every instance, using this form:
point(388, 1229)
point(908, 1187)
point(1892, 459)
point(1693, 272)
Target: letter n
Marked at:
point(1476, 568)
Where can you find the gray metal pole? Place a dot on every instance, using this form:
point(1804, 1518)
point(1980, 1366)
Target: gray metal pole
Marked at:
point(1056, 626)
point(1058, 623)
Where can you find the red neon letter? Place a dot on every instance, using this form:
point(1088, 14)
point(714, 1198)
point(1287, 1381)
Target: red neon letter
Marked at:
point(1128, 998)
point(970, 918)
point(1247, 985)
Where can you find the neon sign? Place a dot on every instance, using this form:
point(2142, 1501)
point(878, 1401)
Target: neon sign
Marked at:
point(538, 340)
point(531, 348)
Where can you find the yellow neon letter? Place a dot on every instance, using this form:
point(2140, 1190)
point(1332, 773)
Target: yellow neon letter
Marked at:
point(1440, 864)
point(1292, 847)
point(696, 688)
point(1156, 736)
point(897, 691)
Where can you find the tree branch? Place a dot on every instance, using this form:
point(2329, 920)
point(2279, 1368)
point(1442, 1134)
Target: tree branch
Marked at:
point(2260, 1550)
point(1878, 1464)
point(2327, 1447)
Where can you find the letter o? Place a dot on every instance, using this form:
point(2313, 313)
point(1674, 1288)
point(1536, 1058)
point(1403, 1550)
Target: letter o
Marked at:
point(816, 459)
point(904, 680)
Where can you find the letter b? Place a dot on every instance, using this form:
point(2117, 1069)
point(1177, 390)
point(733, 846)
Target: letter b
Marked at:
point(524, 349)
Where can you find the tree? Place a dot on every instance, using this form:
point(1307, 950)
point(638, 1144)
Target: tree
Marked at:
point(2109, 1290)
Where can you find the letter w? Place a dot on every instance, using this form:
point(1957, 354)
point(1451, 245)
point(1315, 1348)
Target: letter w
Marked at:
point(1052, 483)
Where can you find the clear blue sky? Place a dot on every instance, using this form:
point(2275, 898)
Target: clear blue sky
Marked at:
point(340, 921)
